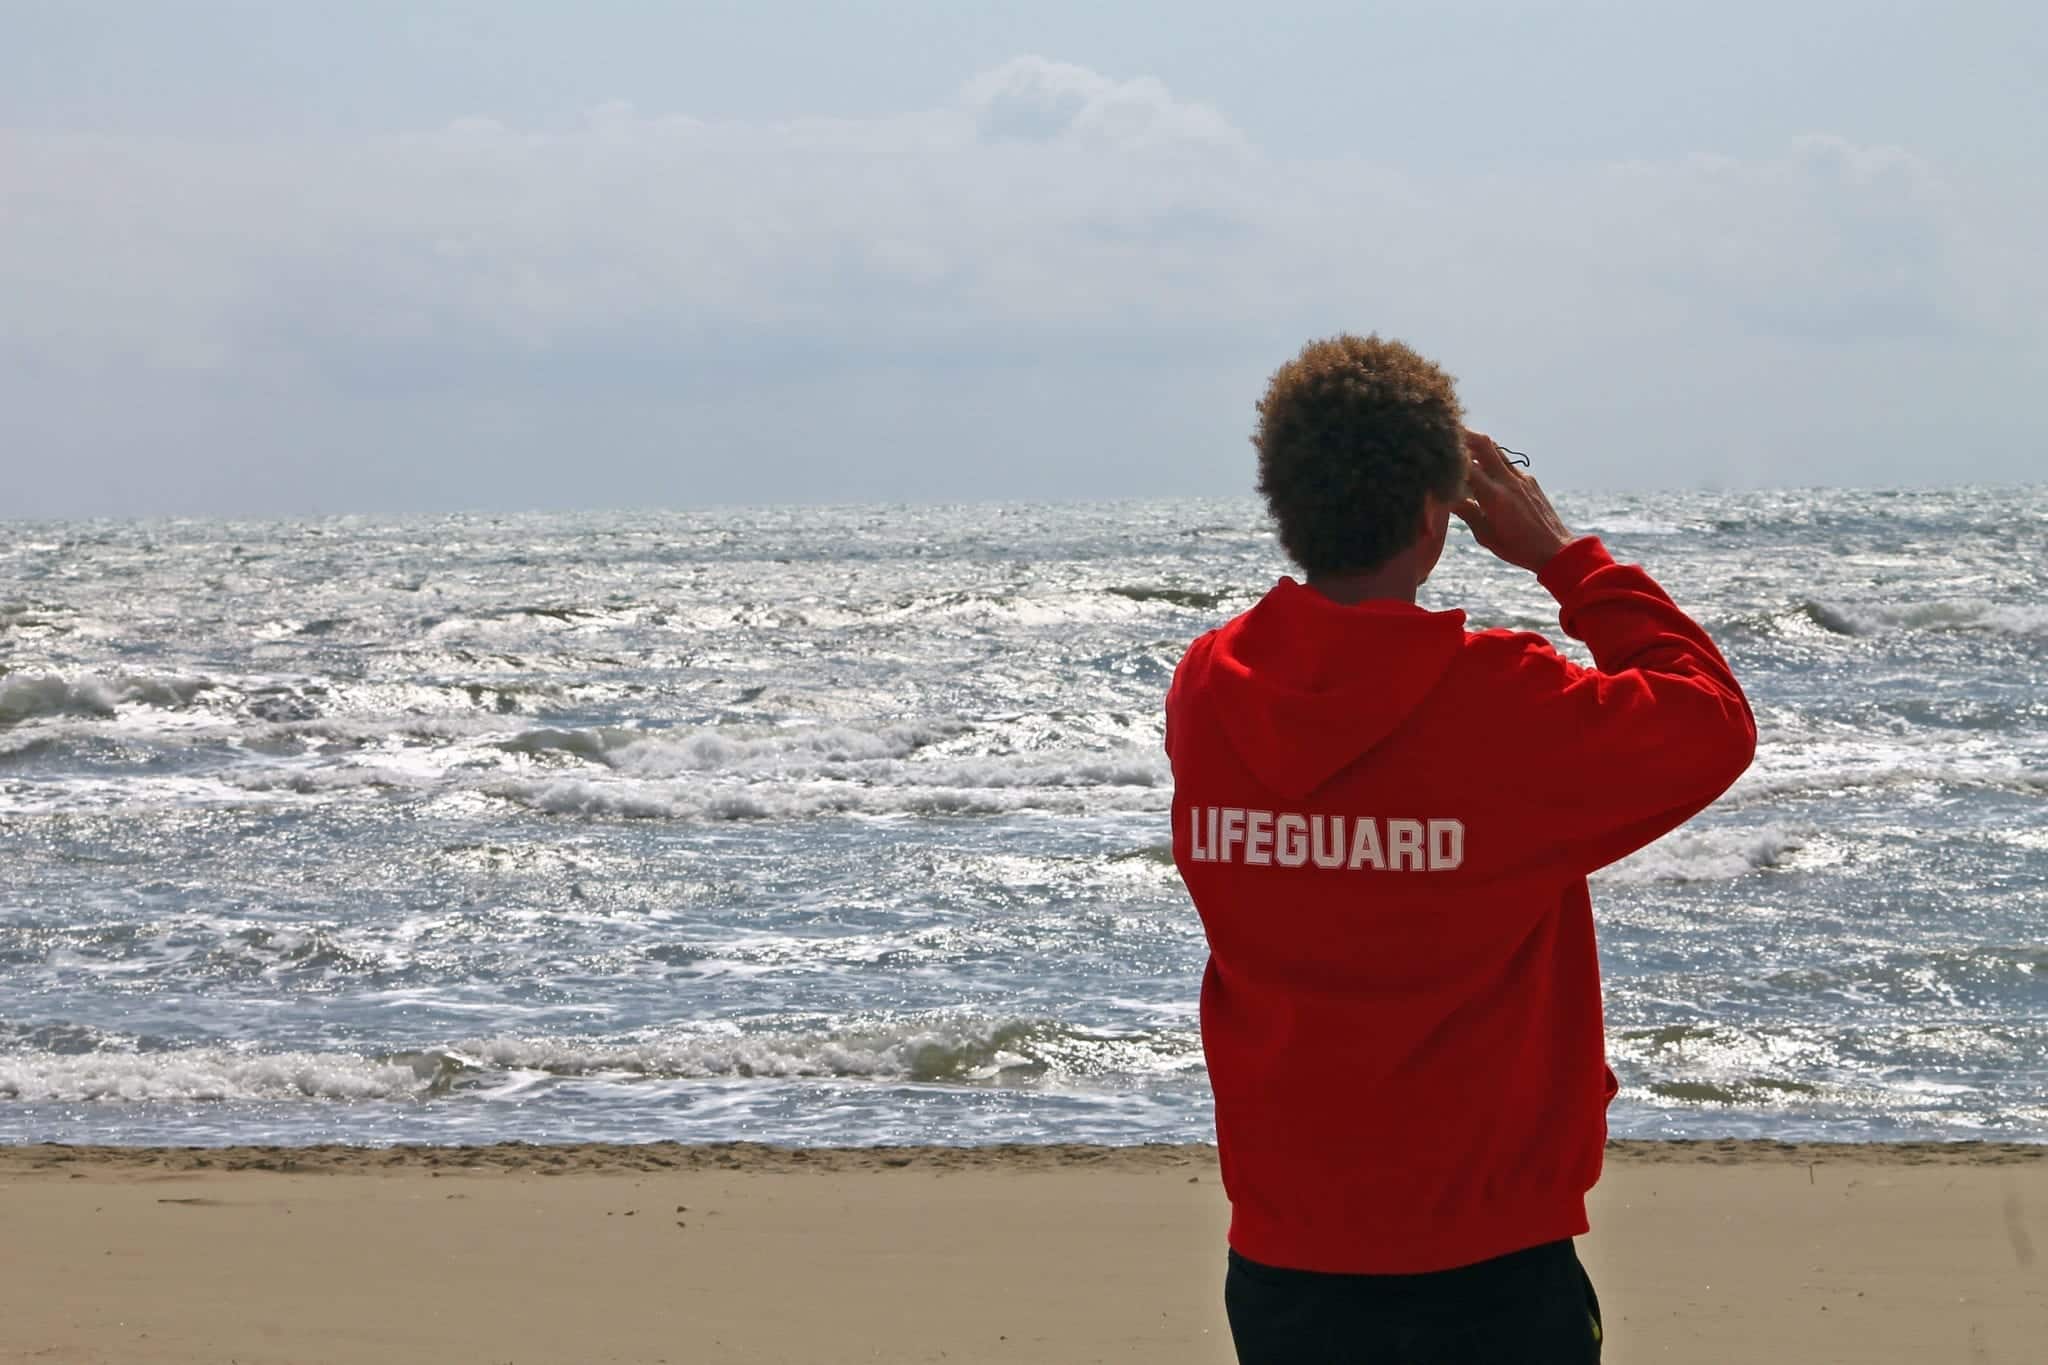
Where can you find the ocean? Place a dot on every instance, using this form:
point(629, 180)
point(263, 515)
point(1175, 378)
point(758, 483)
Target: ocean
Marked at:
point(849, 825)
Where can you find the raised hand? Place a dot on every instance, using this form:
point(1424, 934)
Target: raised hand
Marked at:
point(1507, 509)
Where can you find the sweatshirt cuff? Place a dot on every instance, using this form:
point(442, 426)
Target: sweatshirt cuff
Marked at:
point(1573, 565)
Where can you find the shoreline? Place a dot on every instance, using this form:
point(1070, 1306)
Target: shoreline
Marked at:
point(774, 1158)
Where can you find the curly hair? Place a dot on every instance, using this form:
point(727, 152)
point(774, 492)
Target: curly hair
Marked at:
point(1353, 432)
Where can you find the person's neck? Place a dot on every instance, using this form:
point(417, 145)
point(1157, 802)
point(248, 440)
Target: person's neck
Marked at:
point(1389, 583)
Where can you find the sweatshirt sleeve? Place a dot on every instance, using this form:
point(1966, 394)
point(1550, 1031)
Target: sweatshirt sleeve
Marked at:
point(1613, 757)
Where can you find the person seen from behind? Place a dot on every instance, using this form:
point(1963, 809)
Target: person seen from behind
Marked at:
point(1385, 821)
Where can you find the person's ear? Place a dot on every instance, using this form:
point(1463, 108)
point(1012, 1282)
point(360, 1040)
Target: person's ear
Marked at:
point(1430, 535)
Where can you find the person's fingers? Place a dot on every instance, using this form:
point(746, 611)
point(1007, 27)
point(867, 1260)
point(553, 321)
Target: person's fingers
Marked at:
point(1488, 479)
point(1504, 469)
point(1486, 455)
point(1477, 473)
point(1470, 512)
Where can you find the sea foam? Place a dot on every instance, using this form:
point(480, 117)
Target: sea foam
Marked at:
point(921, 1051)
point(32, 696)
point(1702, 855)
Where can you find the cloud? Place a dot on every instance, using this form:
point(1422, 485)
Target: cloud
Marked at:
point(1031, 99)
point(476, 234)
point(1827, 239)
point(706, 279)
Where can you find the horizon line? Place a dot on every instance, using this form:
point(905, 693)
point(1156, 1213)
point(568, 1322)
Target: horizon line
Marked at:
point(899, 504)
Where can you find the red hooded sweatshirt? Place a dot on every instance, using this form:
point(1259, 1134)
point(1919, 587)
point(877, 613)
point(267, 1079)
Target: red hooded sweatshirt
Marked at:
point(1386, 824)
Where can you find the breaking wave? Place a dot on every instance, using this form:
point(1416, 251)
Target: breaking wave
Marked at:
point(1765, 787)
point(931, 1051)
point(316, 781)
point(1077, 788)
point(763, 774)
point(1190, 599)
point(1966, 616)
point(1690, 855)
point(31, 696)
point(788, 752)
point(203, 1074)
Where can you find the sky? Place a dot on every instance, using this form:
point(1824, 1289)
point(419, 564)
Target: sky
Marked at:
point(263, 258)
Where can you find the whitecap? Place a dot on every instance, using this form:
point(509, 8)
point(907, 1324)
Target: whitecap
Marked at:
point(31, 696)
point(1702, 855)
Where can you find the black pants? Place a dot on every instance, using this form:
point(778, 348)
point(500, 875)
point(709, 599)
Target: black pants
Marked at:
point(1533, 1307)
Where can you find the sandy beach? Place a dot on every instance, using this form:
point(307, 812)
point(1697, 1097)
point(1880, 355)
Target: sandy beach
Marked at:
point(1704, 1252)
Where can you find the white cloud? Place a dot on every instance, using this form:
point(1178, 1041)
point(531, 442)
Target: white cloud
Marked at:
point(1050, 217)
point(1034, 100)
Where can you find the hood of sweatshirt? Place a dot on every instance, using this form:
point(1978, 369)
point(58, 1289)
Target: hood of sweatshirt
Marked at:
point(1304, 686)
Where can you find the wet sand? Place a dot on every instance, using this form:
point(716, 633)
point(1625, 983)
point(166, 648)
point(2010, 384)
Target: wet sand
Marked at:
point(1703, 1252)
